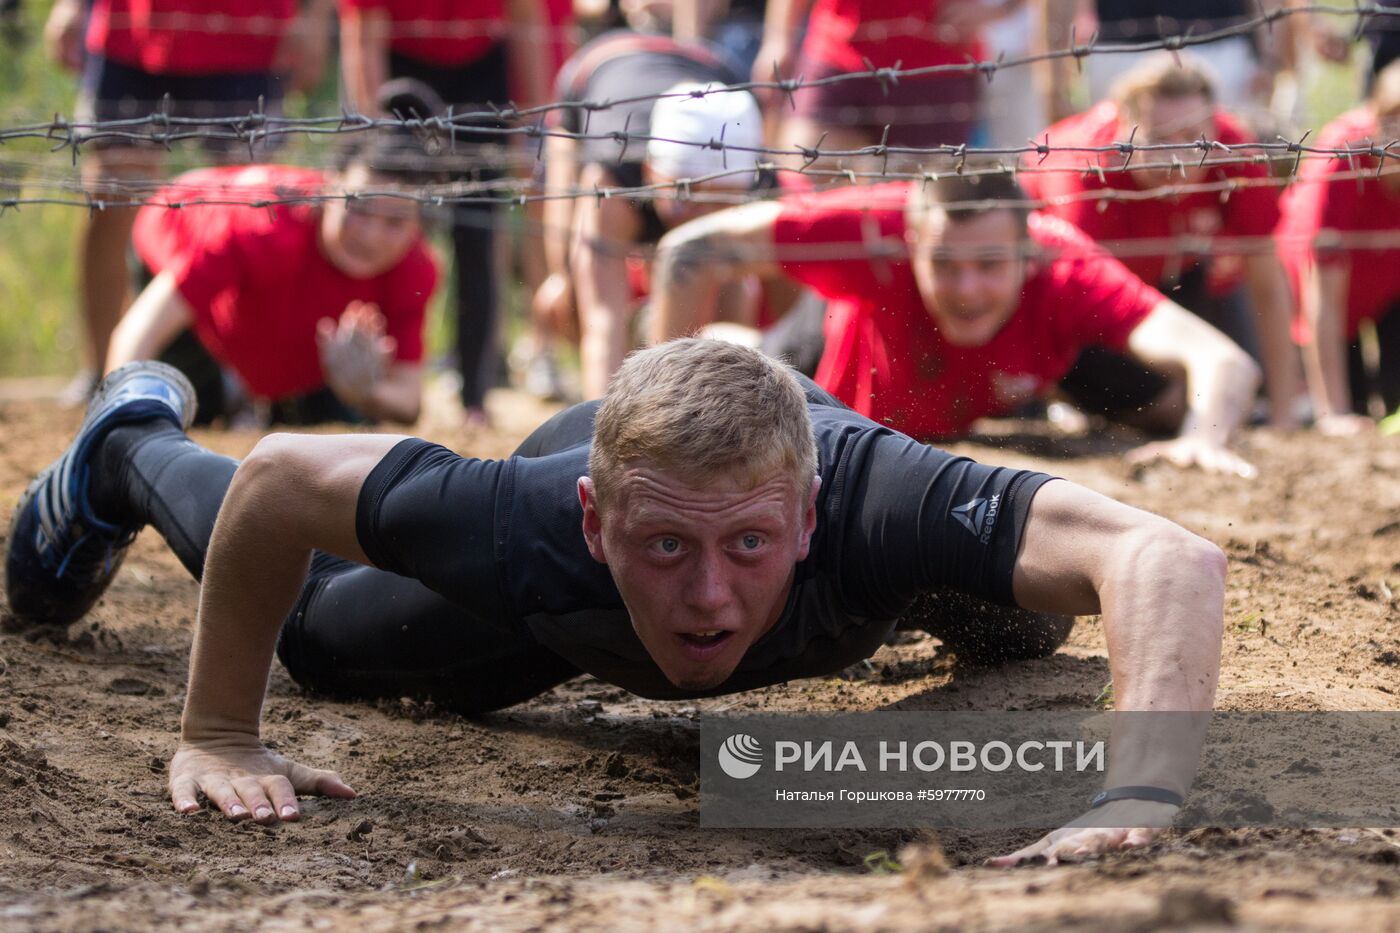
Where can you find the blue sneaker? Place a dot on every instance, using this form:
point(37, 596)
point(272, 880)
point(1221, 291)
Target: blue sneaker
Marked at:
point(60, 557)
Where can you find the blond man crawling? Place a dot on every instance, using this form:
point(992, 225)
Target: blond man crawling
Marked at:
point(715, 524)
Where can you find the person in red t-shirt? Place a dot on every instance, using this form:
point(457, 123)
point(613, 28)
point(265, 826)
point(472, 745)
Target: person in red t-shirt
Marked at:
point(467, 51)
point(1340, 238)
point(316, 308)
point(213, 58)
point(942, 315)
point(845, 36)
point(1180, 242)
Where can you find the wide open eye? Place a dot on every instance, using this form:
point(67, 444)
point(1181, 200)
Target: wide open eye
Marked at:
point(750, 542)
point(668, 545)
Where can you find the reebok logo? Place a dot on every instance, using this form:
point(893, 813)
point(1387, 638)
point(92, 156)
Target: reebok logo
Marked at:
point(979, 516)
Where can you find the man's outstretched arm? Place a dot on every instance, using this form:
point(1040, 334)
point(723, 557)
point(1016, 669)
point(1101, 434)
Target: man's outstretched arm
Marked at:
point(694, 260)
point(293, 494)
point(1220, 384)
point(1161, 592)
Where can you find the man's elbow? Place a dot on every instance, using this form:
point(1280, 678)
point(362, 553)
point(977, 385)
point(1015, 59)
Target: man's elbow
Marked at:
point(1245, 372)
point(1178, 562)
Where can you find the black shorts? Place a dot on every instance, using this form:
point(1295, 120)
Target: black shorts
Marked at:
point(112, 91)
point(1384, 380)
point(476, 86)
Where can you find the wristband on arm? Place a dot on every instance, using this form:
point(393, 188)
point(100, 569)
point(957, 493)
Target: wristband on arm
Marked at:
point(1136, 792)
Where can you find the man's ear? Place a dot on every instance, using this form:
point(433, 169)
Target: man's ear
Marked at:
point(592, 521)
point(809, 520)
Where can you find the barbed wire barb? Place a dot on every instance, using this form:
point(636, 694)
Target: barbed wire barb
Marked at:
point(810, 156)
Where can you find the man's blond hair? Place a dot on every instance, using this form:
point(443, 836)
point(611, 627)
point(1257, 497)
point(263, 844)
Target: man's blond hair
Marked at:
point(698, 409)
point(1161, 76)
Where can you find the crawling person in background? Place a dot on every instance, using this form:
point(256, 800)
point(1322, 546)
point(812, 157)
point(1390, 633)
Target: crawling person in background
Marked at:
point(210, 59)
point(1340, 238)
point(314, 310)
point(589, 241)
point(476, 55)
point(714, 525)
point(949, 301)
point(1180, 242)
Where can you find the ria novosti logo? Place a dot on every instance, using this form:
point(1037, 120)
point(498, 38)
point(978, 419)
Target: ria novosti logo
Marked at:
point(740, 756)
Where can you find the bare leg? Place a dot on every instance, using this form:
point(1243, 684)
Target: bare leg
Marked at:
point(107, 175)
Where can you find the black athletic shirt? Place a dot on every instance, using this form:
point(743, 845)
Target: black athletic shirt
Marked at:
point(503, 540)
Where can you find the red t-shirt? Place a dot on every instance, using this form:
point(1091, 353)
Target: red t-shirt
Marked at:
point(1248, 212)
point(440, 32)
point(884, 355)
point(257, 282)
point(844, 33)
point(190, 37)
point(1319, 201)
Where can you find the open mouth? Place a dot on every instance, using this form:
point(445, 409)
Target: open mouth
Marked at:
point(704, 639)
point(701, 646)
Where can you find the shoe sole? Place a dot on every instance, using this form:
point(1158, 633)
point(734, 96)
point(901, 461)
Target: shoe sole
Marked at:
point(109, 383)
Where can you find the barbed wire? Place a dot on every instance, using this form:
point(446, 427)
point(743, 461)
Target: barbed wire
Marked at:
point(274, 127)
point(1028, 159)
point(258, 124)
point(519, 192)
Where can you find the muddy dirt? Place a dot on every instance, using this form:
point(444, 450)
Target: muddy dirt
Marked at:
point(578, 810)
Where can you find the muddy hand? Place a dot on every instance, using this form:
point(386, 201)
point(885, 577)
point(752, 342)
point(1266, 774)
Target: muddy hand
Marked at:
point(246, 780)
point(354, 350)
point(1194, 452)
point(1073, 845)
point(1123, 824)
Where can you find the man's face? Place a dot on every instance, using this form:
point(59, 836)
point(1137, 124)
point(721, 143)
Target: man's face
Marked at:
point(366, 238)
point(704, 570)
point(1171, 120)
point(969, 272)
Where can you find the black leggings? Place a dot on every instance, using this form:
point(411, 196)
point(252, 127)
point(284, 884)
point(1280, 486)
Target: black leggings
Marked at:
point(473, 87)
point(1385, 381)
point(361, 632)
point(355, 631)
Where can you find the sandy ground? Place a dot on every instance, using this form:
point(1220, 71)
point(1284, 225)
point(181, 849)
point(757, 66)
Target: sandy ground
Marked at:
point(579, 811)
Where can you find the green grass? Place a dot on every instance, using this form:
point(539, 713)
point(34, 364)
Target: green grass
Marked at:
point(38, 326)
point(40, 333)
